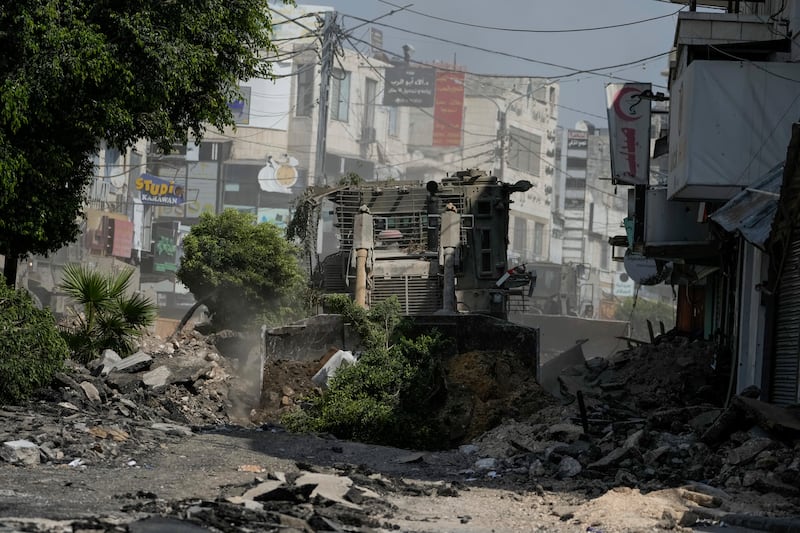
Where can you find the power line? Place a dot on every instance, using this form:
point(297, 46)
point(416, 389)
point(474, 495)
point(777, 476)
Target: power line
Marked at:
point(595, 71)
point(526, 30)
point(516, 56)
point(383, 78)
point(753, 63)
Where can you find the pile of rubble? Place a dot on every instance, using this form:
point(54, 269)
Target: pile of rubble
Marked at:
point(645, 419)
point(101, 412)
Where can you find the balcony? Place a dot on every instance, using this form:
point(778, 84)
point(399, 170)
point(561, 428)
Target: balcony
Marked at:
point(725, 36)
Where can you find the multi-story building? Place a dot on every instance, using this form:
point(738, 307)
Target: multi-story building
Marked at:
point(719, 227)
point(593, 211)
point(514, 119)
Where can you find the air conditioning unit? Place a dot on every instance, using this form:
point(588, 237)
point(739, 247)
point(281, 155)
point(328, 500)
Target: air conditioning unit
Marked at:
point(367, 135)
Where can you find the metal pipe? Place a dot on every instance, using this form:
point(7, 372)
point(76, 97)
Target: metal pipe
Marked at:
point(361, 277)
point(363, 242)
point(449, 288)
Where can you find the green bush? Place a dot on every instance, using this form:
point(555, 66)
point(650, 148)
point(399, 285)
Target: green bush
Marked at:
point(31, 350)
point(108, 316)
point(389, 395)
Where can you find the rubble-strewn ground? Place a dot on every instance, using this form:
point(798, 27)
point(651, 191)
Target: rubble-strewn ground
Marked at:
point(171, 444)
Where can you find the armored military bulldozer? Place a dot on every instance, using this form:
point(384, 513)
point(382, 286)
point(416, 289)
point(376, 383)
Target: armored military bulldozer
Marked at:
point(439, 247)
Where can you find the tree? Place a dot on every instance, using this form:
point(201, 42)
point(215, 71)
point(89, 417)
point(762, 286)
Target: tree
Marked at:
point(74, 73)
point(111, 317)
point(241, 270)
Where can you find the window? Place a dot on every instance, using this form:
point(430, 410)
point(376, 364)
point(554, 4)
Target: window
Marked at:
point(576, 163)
point(486, 250)
point(573, 204)
point(340, 95)
point(305, 90)
point(520, 234)
point(575, 183)
point(370, 93)
point(112, 161)
point(525, 151)
point(538, 239)
point(604, 257)
point(393, 128)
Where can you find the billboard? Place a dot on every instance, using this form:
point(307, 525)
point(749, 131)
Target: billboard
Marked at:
point(448, 108)
point(577, 140)
point(159, 191)
point(409, 86)
point(629, 132)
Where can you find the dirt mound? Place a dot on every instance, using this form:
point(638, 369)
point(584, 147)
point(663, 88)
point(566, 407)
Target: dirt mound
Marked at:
point(284, 386)
point(484, 388)
point(674, 372)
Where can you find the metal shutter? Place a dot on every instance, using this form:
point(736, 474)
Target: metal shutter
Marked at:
point(784, 379)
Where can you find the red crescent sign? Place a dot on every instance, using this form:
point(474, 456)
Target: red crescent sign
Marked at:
point(618, 101)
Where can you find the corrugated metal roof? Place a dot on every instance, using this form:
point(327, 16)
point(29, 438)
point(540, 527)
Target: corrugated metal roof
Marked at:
point(751, 211)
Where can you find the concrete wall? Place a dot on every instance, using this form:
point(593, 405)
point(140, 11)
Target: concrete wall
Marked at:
point(559, 333)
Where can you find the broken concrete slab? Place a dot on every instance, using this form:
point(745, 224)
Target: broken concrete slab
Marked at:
point(156, 378)
point(261, 489)
point(747, 451)
point(90, 390)
point(22, 452)
point(138, 362)
point(123, 382)
point(611, 459)
point(333, 488)
point(172, 429)
point(108, 359)
point(549, 371)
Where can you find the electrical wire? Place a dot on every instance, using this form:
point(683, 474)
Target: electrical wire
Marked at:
point(383, 78)
point(560, 78)
point(753, 63)
point(526, 30)
point(516, 56)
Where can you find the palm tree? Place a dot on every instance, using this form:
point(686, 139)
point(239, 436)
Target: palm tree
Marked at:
point(110, 318)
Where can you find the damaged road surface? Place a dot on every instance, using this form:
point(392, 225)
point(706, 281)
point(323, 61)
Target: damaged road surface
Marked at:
point(165, 441)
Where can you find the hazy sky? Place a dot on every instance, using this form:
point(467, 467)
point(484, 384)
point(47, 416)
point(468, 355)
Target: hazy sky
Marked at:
point(509, 47)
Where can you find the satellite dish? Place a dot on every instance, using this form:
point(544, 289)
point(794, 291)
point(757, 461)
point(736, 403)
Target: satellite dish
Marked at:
point(646, 270)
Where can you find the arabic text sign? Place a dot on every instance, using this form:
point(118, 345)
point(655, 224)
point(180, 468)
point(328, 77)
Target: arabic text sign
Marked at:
point(577, 140)
point(448, 112)
point(409, 86)
point(629, 132)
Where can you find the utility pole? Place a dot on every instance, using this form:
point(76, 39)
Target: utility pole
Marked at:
point(327, 53)
point(501, 131)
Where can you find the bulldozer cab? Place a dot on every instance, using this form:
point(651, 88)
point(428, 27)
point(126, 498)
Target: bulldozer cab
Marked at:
point(440, 247)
